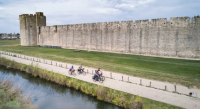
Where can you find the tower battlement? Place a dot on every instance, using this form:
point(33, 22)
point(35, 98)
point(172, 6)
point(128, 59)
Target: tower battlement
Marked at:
point(31, 15)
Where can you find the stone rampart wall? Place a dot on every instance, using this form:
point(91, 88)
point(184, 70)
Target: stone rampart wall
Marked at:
point(178, 37)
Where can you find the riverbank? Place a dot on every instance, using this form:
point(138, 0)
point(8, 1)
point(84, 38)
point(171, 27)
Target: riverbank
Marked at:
point(176, 71)
point(11, 98)
point(102, 93)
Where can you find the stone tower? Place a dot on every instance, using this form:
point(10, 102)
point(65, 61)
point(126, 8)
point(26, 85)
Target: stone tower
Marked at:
point(28, 27)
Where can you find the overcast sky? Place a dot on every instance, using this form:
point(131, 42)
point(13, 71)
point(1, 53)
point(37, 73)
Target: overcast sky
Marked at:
point(61, 12)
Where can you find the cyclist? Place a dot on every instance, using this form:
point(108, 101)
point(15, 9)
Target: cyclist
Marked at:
point(71, 69)
point(96, 75)
point(80, 68)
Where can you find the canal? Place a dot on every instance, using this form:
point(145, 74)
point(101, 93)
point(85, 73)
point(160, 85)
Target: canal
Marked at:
point(49, 95)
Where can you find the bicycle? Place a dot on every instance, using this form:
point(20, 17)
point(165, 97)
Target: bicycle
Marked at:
point(73, 73)
point(82, 71)
point(100, 78)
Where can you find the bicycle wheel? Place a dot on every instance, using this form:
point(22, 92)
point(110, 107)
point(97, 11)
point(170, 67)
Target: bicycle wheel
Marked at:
point(103, 78)
point(84, 73)
point(78, 73)
point(100, 80)
point(69, 72)
point(74, 74)
point(93, 79)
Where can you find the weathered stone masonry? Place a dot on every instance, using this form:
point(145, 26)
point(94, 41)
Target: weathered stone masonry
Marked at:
point(28, 27)
point(178, 37)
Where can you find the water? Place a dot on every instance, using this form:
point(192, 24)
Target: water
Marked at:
point(49, 95)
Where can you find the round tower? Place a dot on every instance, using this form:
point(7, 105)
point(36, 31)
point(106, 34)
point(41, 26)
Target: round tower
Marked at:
point(28, 27)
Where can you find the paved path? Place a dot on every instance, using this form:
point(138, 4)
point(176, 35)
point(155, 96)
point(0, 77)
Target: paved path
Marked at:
point(122, 77)
point(151, 93)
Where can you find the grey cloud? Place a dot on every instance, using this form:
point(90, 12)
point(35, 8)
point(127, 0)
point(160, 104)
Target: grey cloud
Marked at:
point(60, 12)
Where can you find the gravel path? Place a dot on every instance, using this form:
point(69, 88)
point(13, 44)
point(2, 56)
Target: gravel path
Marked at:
point(151, 93)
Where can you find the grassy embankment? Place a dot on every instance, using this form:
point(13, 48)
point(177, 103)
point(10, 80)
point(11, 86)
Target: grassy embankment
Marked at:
point(179, 71)
point(11, 98)
point(102, 93)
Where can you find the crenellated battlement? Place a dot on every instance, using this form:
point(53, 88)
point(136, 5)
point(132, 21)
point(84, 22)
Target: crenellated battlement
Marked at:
point(160, 22)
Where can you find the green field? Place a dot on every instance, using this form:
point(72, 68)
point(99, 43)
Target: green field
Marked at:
point(180, 71)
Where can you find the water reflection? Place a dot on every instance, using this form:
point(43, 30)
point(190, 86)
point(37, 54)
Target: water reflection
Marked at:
point(49, 95)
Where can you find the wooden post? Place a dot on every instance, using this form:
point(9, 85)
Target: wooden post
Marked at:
point(56, 63)
point(175, 88)
point(140, 81)
point(165, 88)
point(110, 75)
point(92, 72)
point(51, 62)
point(128, 78)
point(87, 70)
point(122, 78)
point(66, 65)
point(150, 84)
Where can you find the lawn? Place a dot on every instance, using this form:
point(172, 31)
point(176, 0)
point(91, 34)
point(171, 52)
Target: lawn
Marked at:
point(179, 71)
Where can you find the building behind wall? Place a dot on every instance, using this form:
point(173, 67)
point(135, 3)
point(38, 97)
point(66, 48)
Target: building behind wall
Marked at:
point(178, 37)
point(9, 36)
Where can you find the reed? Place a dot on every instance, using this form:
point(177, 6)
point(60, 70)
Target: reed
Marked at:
point(11, 97)
point(118, 98)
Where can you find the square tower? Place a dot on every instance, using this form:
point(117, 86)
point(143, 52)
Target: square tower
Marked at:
point(28, 27)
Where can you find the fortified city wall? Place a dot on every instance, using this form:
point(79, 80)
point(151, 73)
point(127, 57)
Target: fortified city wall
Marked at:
point(178, 37)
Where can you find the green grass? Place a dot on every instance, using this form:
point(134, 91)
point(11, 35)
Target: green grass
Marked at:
point(118, 98)
point(179, 71)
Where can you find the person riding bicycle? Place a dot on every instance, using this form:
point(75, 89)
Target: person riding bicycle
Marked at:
point(80, 68)
point(71, 69)
point(96, 75)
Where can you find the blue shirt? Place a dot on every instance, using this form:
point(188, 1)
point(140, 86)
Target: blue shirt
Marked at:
point(71, 67)
point(96, 72)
